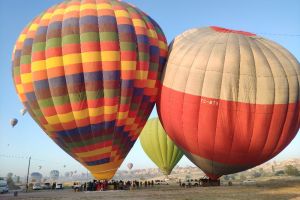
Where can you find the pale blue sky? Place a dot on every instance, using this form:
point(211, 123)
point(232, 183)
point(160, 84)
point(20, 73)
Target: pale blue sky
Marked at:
point(266, 18)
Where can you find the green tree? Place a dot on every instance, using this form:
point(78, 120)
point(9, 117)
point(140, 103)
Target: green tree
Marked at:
point(291, 170)
point(10, 182)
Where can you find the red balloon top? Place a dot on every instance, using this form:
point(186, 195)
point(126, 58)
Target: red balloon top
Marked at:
point(225, 30)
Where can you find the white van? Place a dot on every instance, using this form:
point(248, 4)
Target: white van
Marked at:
point(3, 186)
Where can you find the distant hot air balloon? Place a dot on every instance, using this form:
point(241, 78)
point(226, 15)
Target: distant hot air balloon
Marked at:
point(230, 99)
point(159, 147)
point(13, 122)
point(88, 73)
point(40, 167)
point(67, 174)
point(71, 173)
point(64, 166)
point(129, 166)
point(36, 177)
point(54, 174)
point(23, 111)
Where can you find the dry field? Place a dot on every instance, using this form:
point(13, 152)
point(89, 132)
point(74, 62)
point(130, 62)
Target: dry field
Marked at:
point(271, 189)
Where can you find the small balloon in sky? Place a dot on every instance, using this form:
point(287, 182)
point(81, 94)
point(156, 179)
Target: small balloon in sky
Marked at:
point(13, 122)
point(129, 165)
point(23, 111)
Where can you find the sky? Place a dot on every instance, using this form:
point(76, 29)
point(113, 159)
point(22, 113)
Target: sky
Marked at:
point(277, 20)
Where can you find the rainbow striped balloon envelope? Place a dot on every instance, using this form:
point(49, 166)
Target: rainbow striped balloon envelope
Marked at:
point(230, 99)
point(88, 72)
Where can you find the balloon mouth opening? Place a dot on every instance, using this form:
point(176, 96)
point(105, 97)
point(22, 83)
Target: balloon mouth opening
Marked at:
point(213, 176)
point(226, 30)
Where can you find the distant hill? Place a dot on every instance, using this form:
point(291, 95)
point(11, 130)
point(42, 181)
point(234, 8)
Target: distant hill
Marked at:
point(195, 172)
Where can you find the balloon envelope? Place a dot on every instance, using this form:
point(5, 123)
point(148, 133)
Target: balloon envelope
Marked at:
point(88, 72)
point(159, 147)
point(36, 177)
point(13, 122)
point(23, 111)
point(129, 165)
point(54, 174)
point(230, 99)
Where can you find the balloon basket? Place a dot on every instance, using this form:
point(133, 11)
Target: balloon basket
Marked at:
point(207, 182)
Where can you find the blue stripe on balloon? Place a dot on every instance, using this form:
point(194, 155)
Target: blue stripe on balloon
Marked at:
point(98, 162)
point(76, 132)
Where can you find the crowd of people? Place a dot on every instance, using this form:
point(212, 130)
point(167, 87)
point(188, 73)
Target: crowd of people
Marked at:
point(97, 185)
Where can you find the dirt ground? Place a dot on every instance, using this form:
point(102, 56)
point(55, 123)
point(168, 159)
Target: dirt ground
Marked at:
point(270, 190)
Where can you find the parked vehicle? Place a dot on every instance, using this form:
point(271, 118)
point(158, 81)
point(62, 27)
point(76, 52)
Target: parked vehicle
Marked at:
point(3, 186)
point(161, 182)
point(37, 186)
point(46, 186)
point(59, 186)
point(248, 182)
point(190, 182)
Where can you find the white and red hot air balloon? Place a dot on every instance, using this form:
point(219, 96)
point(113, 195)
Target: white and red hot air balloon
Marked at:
point(229, 99)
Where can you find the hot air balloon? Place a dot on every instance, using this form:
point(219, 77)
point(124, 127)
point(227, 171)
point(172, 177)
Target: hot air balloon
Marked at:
point(67, 174)
point(129, 166)
point(229, 99)
point(88, 73)
point(159, 147)
point(54, 174)
point(40, 167)
point(36, 177)
point(13, 122)
point(23, 111)
point(64, 166)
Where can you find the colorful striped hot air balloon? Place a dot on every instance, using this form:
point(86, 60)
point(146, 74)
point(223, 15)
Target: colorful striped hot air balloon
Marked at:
point(230, 99)
point(159, 147)
point(88, 72)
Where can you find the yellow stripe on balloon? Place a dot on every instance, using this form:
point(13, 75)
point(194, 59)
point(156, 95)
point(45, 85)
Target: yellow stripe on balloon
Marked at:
point(162, 45)
point(94, 152)
point(110, 55)
point(33, 27)
point(20, 88)
point(54, 62)
point(101, 6)
point(71, 59)
point(121, 13)
point(141, 75)
point(122, 115)
point(151, 83)
point(152, 33)
point(91, 56)
point(87, 6)
point(105, 167)
point(46, 16)
point(22, 38)
point(82, 114)
point(26, 78)
point(58, 12)
point(128, 65)
point(38, 65)
point(139, 22)
point(72, 9)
